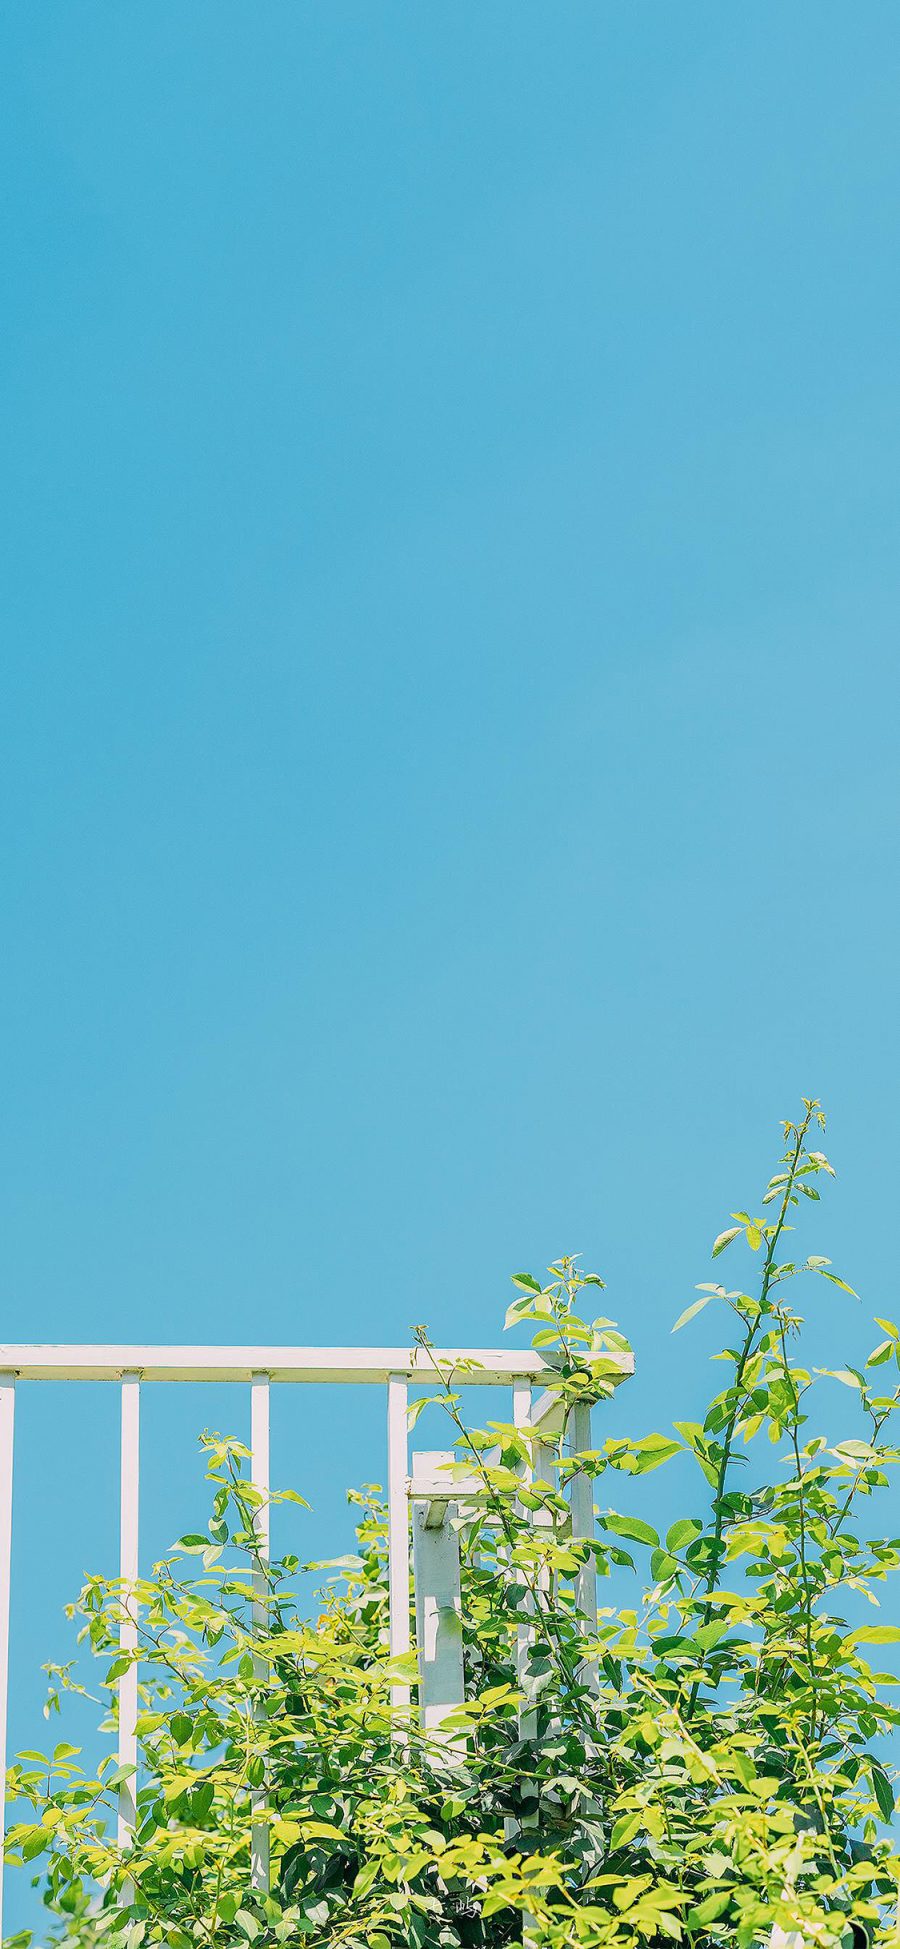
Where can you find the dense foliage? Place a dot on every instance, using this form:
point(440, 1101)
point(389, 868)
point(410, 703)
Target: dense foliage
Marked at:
point(703, 1766)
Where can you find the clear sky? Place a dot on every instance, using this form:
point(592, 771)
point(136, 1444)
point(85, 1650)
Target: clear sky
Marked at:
point(448, 755)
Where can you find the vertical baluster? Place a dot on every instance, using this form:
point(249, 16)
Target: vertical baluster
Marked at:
point(524, 1631)
point(7, 1416)
point(259, 1443)
point(524, 1634)
point(398, 1531)
point(129, 1504)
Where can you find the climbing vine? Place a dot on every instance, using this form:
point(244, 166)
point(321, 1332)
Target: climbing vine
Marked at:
point(708, 1761)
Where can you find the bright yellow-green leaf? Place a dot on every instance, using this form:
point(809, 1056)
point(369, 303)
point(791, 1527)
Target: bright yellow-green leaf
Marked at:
point(690, 1312)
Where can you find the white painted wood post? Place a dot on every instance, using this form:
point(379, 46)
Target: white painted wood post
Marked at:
point(581, 1502)
point(7, 1421)
point(398, 1532)
point(259, 1474)
point(439, 1636)
point(129, 1506)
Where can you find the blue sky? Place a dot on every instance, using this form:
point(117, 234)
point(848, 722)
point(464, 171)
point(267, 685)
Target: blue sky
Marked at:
point(450, 699)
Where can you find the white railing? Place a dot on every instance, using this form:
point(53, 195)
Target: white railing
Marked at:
point(394, 1368)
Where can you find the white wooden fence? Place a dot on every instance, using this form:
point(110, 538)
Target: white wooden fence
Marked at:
point(429, 1492)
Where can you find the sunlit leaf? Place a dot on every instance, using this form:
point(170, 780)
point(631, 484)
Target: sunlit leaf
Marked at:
point(631, 1527)
point(690, 1312)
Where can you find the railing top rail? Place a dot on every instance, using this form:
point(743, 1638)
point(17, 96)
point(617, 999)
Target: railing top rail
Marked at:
point(465, 1366)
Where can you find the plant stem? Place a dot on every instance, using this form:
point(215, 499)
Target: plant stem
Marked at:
point(715, 1557)
point(801, 1539)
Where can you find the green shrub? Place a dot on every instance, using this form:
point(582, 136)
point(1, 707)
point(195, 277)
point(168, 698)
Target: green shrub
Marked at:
point(702, 1767)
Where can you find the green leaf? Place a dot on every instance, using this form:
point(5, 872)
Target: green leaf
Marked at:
point(725, 1239)
point(690, 1312)
point(525, 1280)
point(404, 1669)
point(37, 1839)
point(632, 1528)
point(418, 1407)
point(883, 1790)
point(524, 1310)
point(693, 1435)
point(836, 1281)
point(639, 1457)
point(709, 1910)
point(684, 1531)
point(624, 1830)
point(709, 1635)
point(287, 1831)
point(874, 1634)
